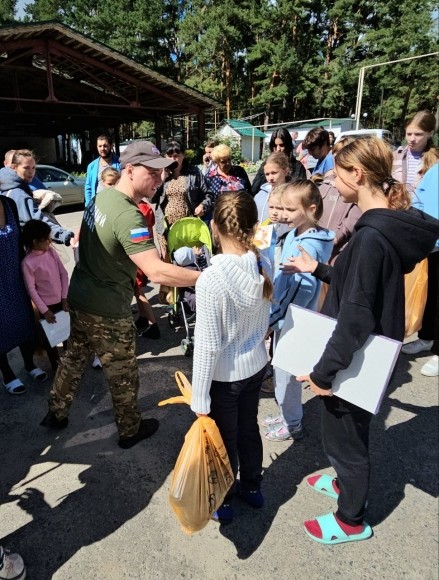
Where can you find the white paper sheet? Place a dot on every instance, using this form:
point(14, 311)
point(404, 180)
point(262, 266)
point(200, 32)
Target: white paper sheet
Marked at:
point(302, 341)
point(58, 332)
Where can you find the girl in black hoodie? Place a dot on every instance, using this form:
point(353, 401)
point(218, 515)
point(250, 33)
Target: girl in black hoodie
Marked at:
point(366, 295)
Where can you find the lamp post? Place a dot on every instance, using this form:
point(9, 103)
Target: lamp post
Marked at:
point(361, 81)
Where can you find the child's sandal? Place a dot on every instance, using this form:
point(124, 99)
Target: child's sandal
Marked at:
point(15, 387)
point(38, 375)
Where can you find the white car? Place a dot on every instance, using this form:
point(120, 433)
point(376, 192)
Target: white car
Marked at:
point(381, 133)
point(70, 188)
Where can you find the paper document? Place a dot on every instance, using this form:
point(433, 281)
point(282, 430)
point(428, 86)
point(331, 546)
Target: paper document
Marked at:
point(58, 332)
point(263, 237)
point(301, 344)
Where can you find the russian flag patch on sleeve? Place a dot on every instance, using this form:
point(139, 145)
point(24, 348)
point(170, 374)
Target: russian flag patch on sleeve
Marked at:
point(140, 235)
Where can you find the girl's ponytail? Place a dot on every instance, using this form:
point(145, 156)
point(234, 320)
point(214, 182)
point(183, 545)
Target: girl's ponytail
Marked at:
point(397, 194)
point(268, 284)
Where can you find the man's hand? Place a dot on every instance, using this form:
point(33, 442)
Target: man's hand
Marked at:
point(65, 305)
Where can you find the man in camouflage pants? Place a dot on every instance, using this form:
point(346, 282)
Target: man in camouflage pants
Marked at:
point(114, 242)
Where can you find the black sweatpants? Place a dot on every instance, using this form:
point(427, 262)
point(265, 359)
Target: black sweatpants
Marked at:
point(234, 408)
point(345, 435)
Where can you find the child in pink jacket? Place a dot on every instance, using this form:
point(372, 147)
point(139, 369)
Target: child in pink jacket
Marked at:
point(45, 277)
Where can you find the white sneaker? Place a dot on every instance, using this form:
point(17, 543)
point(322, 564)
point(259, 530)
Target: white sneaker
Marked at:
point(417, 346)
point(11, 566)
point(96, 364)
point(431, 367)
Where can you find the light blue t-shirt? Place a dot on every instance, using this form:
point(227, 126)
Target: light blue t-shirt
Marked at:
point(325, 164)
point(426, 196)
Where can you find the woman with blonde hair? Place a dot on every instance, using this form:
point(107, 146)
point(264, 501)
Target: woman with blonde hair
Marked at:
point(15, 184)
point(225, 176)
point(366, 295)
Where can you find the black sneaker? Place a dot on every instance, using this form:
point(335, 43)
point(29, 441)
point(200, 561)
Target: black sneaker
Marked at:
point(224, 514)
point(153, 331)
point(147, 428)
point(253, 497)
point(141, 323)
point(52, 422)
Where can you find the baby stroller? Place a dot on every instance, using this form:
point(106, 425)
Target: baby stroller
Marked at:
point(187, 232)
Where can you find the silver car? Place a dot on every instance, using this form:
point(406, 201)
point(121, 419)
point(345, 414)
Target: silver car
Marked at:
point(70, 188)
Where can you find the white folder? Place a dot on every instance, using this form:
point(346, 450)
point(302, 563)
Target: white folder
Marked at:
point(60, 330)
point(301, 344)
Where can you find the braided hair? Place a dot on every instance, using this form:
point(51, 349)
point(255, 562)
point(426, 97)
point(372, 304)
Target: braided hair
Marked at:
point(236, 216)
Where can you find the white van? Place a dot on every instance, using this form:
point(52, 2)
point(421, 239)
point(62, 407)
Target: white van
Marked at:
point(381, 133)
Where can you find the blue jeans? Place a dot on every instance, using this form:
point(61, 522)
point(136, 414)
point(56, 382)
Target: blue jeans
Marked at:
point(234, 408)
point(288, 393)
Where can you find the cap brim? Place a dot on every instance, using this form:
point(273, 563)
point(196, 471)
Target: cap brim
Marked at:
point(159, 163)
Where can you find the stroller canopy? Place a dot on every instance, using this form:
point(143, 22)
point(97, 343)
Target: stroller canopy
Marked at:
point(189, 231)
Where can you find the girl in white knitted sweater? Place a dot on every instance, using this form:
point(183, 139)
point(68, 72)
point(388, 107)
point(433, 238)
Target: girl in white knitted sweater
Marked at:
point(233, 304)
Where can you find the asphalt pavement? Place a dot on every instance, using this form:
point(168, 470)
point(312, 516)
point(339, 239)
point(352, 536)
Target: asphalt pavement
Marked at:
point(76, 506)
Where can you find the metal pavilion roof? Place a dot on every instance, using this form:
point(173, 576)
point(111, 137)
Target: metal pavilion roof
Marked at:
point(53, 78)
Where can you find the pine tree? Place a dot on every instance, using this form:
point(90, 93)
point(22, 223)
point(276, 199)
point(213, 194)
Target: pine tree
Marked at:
point(7, 11)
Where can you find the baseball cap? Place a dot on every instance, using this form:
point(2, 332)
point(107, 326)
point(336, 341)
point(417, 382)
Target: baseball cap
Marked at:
point(145, 153)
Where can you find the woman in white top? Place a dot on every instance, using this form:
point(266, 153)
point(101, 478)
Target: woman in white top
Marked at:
point(233, 304)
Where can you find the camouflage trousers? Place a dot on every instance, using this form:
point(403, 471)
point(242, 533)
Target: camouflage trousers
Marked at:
point(113, 340)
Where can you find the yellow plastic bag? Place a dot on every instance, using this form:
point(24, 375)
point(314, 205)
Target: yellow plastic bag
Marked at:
point(415, 297)
point(202, 475)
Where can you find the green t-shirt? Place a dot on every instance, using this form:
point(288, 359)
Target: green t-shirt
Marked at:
point(113, 228)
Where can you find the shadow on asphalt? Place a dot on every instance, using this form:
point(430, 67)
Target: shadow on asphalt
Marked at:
point(117, 484)
point(281, 480)
point(402, 454)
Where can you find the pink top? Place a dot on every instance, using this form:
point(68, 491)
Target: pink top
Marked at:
point(46, 278)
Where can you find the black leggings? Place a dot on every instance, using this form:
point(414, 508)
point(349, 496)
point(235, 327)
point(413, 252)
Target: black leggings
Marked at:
point(234, 408)
point(27, 352)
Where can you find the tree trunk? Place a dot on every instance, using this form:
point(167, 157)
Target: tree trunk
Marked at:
point(227, 83)
point(405, 106)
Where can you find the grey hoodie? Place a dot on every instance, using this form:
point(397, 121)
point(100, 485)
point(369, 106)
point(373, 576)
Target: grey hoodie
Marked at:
point(12, 186)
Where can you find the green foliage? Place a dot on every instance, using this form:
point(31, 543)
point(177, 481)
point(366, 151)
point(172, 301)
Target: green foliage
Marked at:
point(284, 59)
point(7, 11)
point(234, 145)
point(191, 156)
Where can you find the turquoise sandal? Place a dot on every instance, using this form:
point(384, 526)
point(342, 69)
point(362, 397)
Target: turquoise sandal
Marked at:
point(333, 534)
point(324, 485)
